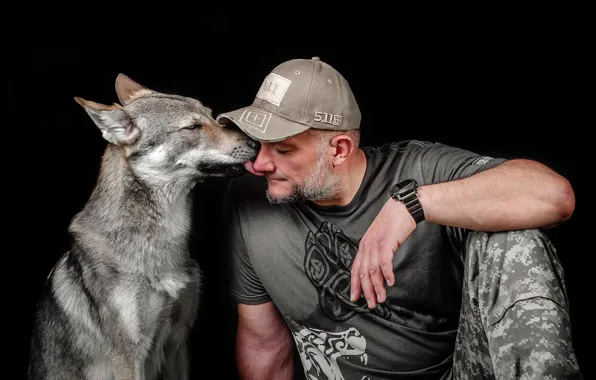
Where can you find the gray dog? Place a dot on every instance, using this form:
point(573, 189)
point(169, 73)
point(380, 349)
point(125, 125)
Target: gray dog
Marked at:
point(121, 302)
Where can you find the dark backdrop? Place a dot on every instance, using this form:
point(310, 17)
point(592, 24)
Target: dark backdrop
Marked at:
point(502, 82)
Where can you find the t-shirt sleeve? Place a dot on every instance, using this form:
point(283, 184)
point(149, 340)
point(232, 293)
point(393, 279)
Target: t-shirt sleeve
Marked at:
point(442, 163)
point(245, 285)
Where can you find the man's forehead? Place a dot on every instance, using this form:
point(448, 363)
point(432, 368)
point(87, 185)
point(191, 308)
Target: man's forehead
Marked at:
point(299, 139)
point(287, 142)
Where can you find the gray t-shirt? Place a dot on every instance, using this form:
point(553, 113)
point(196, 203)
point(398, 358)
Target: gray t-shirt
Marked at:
point(299, 256)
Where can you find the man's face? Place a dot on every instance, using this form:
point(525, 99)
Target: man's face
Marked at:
point(298, 168)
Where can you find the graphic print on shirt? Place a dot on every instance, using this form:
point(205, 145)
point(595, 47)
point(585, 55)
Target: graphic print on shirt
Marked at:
point(319, 350)
point(327, 262)
point(328, 259)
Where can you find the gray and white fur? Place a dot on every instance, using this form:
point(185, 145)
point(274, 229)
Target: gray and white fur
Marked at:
point(120, 303)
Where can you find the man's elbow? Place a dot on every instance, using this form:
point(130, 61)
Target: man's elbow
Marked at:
point(560, 198)
point(563, 200)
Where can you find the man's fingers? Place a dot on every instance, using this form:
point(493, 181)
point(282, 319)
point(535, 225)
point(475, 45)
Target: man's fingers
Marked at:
point(355, 289)
point(386, 264)
point(376, 277)
point(367, 287)
point(371, 270)
point(365, 281)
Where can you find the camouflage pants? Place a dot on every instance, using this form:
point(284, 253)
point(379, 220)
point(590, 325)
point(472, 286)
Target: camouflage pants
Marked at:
point(515, 319)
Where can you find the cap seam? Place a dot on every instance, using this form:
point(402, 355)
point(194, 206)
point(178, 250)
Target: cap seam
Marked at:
point(312, 79)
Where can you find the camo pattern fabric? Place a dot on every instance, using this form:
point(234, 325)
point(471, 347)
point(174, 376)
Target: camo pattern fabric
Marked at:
point(515, 321)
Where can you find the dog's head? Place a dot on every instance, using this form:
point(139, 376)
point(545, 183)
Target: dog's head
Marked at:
point(168, 137)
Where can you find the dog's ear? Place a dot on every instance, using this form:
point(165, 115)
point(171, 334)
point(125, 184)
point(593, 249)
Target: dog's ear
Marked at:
point(115, 125)
point(127, 89)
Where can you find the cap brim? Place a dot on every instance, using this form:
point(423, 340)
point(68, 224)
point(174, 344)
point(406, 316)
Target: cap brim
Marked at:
point(262, 125)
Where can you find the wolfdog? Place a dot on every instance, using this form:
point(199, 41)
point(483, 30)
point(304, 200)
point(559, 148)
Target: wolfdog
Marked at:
point(120, 303)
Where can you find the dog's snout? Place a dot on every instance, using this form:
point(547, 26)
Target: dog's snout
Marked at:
point(253, 144)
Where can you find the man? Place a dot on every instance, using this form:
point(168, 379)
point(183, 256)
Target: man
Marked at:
point(357, 255)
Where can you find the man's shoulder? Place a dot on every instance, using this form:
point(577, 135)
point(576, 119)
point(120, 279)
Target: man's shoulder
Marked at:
point(398, 153)
point(399, 147)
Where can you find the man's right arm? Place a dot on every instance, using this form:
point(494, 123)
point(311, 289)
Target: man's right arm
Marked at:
point(264, 347)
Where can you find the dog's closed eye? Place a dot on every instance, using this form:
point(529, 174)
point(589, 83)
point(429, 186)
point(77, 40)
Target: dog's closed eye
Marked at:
point(193, 126)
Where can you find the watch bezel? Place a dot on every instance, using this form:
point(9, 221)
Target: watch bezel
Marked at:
point(404, 187)
point(406, 191)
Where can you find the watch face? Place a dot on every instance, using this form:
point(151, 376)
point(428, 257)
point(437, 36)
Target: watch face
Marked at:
point(405, 186)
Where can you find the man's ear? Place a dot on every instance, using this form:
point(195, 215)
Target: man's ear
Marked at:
point(115, 125)
point(343, 147)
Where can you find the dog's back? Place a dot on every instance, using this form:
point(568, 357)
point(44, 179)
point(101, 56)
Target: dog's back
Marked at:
point(119, 304)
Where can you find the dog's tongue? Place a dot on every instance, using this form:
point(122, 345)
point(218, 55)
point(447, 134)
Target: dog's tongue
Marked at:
point(248, 165)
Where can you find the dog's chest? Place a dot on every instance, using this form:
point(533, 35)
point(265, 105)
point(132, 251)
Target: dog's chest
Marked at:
point(146, 308)
point(158, 308)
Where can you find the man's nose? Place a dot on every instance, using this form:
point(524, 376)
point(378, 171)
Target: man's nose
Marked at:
point(263, 163)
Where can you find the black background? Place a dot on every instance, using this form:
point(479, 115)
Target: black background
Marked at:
point(500, 81)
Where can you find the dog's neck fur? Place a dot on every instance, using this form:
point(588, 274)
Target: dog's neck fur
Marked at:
point(141, 227)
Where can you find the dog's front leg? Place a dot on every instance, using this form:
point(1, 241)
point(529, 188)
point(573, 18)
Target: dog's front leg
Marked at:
point(126, 368)
point(139, 370)
point(177, 364)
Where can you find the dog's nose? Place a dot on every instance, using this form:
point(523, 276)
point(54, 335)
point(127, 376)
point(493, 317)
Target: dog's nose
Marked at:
point(253, 144)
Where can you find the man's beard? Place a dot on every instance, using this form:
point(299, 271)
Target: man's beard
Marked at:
point(320, 184)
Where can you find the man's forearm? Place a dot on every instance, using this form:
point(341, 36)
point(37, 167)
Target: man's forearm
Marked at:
point(264, 363)
point(514, 195)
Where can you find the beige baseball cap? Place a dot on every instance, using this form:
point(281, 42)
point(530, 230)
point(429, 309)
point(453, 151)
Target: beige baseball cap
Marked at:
point(297, 95)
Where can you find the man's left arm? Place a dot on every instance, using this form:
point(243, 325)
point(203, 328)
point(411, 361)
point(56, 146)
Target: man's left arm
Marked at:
point(516, 194)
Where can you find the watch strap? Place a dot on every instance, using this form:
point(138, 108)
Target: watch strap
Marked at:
point(406, 192)
point(413, 205)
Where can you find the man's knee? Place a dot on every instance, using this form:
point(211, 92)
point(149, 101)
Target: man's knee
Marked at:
point(524, 248)
point(516, 305)
point(512, 266)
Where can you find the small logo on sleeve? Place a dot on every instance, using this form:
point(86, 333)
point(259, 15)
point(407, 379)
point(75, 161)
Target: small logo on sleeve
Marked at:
point(481, 161)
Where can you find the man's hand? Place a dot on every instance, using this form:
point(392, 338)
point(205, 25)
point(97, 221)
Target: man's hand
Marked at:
point(374, 261)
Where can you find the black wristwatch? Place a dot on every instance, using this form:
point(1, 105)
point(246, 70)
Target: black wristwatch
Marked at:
point(406, 192)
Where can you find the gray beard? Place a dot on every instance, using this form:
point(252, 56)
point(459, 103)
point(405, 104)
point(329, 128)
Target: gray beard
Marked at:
point(321, 184)
point(301, 194)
